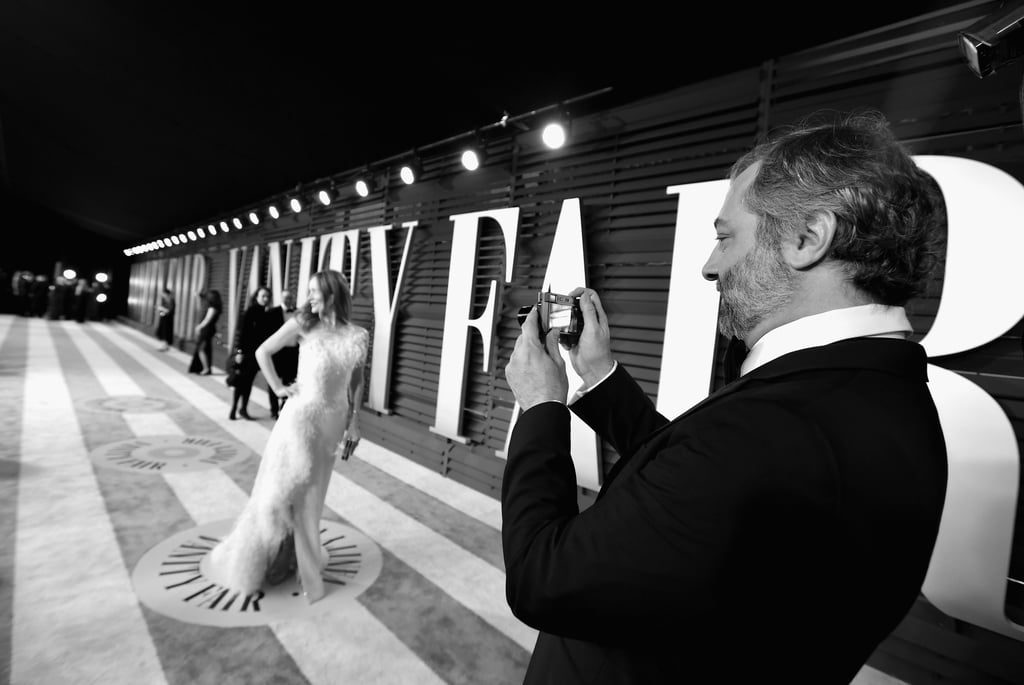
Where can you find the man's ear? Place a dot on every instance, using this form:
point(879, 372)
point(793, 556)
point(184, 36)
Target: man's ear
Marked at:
point(810, 245)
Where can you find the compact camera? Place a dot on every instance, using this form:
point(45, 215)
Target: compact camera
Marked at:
point(556, 311)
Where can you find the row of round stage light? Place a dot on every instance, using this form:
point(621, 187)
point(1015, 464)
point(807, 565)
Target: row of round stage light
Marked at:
point(553, 135)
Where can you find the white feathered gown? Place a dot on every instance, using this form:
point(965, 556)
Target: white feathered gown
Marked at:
point(296, 467)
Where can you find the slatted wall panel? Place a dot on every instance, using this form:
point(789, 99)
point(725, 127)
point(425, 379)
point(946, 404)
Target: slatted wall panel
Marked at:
point(441, 193)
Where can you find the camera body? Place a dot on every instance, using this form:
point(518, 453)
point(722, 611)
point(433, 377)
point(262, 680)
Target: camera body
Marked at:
point(557, 311)
point(994, 41)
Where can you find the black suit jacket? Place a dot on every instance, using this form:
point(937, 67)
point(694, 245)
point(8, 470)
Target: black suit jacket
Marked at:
point(779, 530)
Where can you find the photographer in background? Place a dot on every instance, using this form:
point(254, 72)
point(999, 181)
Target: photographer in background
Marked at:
point(781, 528)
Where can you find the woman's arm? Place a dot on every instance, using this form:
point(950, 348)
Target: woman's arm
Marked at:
point(287, 334)
point(355, 398)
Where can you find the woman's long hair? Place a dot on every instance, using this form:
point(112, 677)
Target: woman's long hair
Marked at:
point(256, 294)
point(336, 298)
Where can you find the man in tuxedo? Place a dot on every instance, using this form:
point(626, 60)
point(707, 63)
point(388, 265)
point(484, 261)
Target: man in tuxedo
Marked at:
point(286, 361)
point(781, 528)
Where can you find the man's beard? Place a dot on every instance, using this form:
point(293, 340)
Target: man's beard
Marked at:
point(753, 289)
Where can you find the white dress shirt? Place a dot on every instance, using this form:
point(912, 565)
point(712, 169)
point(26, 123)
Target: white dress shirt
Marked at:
point(861, 321)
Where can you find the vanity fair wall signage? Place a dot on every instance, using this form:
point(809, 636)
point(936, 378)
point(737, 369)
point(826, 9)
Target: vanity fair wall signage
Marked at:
point(980, 302)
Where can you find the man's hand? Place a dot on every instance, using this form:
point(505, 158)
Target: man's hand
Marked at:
point(591, 357)
point(536, 371)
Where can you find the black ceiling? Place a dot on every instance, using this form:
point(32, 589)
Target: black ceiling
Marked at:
point(124, 120)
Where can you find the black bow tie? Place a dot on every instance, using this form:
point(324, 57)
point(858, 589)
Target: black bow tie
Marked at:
point(735, 353)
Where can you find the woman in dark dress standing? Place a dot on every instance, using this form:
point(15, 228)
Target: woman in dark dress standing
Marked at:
point(259, 321)
point(202, 358)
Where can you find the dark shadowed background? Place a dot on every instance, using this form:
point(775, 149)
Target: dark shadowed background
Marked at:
point(121, 121)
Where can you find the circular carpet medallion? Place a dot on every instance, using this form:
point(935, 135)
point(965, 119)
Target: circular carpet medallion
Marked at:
point(169, 453)
point(170, 579)
point(132, 404)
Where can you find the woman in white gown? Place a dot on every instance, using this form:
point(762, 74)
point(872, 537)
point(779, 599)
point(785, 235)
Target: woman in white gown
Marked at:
point(287, 497)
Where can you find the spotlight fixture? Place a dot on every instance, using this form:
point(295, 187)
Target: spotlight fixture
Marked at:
point(554, 135)
point(200, 232)
point(471, 159)
point(324, 196)
point(224, 226)
point(993, 42)
point(410, 171)
point(192, 235)
point(273, 212)
point(295, 204)
point(365, 185)
point(254, 218)
point(237, 222)
point(212, 229)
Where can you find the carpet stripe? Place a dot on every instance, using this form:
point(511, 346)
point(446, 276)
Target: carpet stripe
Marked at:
point(210, 496)
point(6, 322)
point(475, 584)
point(144, 512)
point(60, 633)
point(482, 507)
point(13, 354)
point(478, 586)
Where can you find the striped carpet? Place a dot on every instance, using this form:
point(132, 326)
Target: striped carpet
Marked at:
point(117, 469)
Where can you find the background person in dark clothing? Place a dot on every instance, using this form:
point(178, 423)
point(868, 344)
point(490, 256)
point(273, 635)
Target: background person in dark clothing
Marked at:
point(206, 329)
point(259, 321)
point(40, 295)
point(165, 319)
point(286, 362)
point(82, 296)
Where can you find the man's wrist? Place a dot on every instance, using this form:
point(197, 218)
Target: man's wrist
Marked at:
point(587, 387)
point(596, 377)
point(533, 403)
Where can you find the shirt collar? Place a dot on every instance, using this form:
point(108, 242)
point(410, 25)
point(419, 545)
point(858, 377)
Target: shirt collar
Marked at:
point(867, 320)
